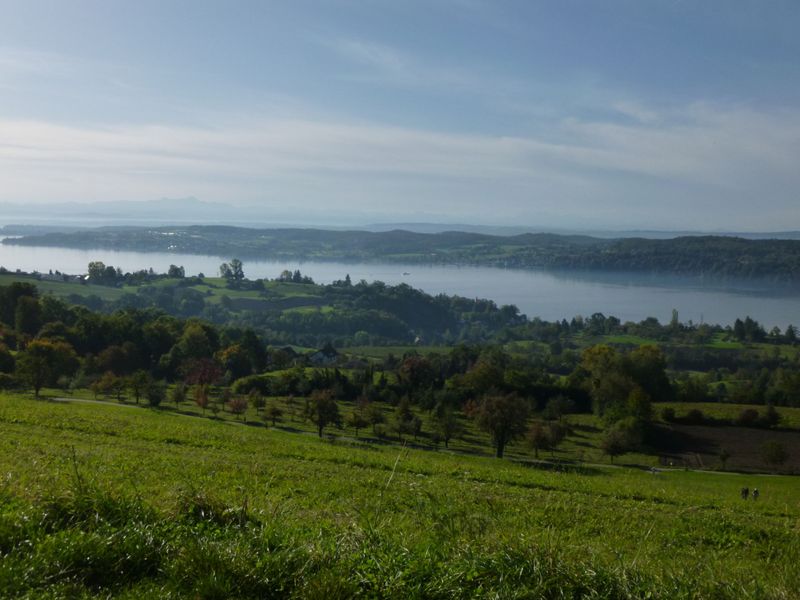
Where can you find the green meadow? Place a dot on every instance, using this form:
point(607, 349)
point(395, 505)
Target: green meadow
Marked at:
point(106, 501)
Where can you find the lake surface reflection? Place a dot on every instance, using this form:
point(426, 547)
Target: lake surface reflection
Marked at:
point(547, 294)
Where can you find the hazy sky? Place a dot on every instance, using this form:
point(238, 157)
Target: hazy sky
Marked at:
point(629, 113)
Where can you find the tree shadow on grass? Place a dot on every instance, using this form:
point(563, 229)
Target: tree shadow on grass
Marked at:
point(560, 467)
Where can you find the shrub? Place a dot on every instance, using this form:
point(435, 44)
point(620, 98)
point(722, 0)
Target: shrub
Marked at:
point(668, 414)
point(774, 453)
point(747, 418)
point(770, 418)
point(245, 385)
point(8, 382)
point(695, 417)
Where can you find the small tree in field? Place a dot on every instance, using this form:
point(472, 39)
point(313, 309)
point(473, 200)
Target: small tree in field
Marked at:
point(356, 420)
point(225, 398)
point(117, 386)
point(179, 393)
point(556, 433)
point(446, 425)
point(155, 393)
point(323, 410)
point(137, 384)
point(404, 419)
point(256, 399)
point(538, 437)
point(238, 406)
point(108, 384)
point(291, 406)
point(504, 417)
point(613, 443)
point(621, 437)
point(96, 387)
point(724, 456)
point(375, 416)
point(201, 397)
point(273, 413)
point(774, 453)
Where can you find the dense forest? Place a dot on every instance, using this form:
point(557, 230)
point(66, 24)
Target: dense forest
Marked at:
point(707, 256)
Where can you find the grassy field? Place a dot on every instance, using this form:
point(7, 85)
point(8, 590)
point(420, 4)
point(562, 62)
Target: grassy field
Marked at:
point(62, 289)
point(583, 443)
point(111, 501)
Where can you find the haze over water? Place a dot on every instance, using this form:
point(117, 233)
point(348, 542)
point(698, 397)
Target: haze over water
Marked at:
point(549, 295)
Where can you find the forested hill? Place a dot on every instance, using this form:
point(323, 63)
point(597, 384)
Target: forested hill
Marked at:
point(717, 256)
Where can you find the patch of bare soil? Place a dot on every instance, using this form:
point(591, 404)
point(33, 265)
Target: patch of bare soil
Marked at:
point(700, 446)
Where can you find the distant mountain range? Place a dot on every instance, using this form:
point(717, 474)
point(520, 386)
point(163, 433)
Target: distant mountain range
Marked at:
point(20, 219)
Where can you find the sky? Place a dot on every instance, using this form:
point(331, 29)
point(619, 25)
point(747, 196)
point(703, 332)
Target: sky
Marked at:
point(652, 114)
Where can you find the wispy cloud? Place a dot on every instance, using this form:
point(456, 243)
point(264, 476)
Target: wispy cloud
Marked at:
point(688, 155)
point(390, 65)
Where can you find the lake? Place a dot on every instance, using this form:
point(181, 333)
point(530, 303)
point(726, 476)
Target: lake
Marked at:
point(550, 295)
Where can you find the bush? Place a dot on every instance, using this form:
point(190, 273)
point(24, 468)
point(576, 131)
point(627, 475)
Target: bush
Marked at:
point(695, 417)
point(747, 418)
point(8, 382)
point(245, 385)
point(774, 453)
point(770, 418)
point(668, 414)
point(621, 437)
point(156, 393)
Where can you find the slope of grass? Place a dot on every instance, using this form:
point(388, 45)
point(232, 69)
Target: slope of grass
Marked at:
point(101, 501)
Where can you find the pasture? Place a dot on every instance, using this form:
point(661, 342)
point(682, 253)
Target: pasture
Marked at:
point(105, 501)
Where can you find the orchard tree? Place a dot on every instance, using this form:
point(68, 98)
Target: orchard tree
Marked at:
point(201, 397)
point(621, 437)
point(446, 425)
point(357, 420)
point(238, 406)
point(109, 383)
point(538, 437)
point(273, 413)
point(504, 417)
point(138, 383)
point(256, 399)
point(774, 453)
point(724, 457)
point(178, 394)
point(44, 361)
point(323, 410)
point(375, 416)
point(155, 393)
point(404, 418)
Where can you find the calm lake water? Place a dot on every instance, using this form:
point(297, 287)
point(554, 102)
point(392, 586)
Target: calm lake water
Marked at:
point(547, 294)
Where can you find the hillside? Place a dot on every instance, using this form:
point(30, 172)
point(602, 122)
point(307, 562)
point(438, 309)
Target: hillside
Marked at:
point(707, 256)
point(302, 312)
point(112, 502)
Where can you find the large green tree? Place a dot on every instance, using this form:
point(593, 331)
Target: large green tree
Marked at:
point(44, 361)
point(232, 272)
